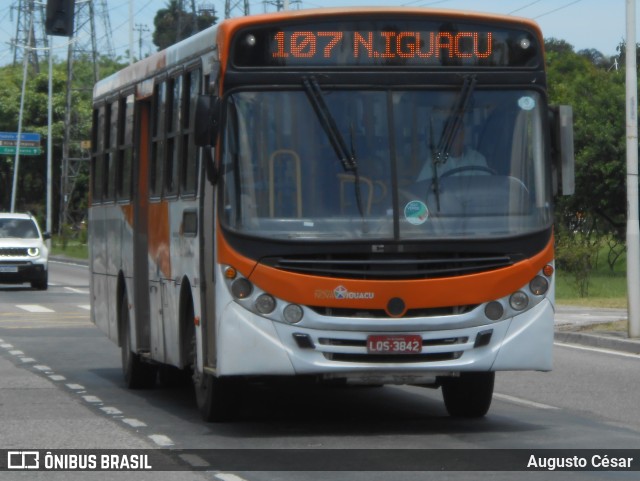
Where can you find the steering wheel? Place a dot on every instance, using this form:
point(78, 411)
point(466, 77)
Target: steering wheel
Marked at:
point(468, 168)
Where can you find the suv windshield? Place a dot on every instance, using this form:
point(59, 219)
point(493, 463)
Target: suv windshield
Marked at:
point(283, 179)
point(18, 228)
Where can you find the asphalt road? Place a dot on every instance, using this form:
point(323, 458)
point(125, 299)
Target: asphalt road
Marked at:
point(589, 401)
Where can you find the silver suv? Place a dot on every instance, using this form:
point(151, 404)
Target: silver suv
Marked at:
point(23, 253)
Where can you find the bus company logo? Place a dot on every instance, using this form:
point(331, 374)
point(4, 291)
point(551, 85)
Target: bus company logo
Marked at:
point(341, 293)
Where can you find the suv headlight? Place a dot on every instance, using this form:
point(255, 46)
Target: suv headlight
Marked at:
point(33, 251)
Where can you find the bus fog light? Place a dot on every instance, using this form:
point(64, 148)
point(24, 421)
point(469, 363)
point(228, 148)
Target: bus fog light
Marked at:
point(494, 310)
point(241, 288)
point(519, 301)
point(265, 304)
point(539, 285)
point(292, 313)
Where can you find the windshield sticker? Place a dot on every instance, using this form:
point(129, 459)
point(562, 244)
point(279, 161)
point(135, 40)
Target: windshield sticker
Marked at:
point(416, 212)
point(526, 103)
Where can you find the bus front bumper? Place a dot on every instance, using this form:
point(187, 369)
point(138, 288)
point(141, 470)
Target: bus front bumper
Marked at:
point(249, 345)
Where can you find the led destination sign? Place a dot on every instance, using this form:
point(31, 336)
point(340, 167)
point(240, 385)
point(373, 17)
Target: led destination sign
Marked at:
point(385, 43)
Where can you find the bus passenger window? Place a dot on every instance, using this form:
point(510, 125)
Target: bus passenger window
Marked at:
point(98, 155)
point(157, 141)
point(125, 148)
point(189, 157)
point(171, 171)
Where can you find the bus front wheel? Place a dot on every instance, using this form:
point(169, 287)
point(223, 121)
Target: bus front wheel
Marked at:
point(469, 395)
point(215, 397)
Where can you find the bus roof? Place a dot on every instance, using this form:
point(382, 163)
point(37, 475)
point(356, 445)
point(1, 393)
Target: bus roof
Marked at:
point(214, 38)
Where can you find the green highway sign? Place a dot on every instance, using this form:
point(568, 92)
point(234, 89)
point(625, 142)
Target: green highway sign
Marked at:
point(11, 150)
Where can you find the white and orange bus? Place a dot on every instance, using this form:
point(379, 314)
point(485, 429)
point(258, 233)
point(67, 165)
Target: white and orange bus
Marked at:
point(353, 195)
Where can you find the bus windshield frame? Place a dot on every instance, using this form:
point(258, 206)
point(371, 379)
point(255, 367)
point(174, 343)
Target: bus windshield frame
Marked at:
point(285, 182)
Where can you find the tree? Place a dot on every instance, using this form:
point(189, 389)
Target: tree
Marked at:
point(32, 180)
point(173, 24)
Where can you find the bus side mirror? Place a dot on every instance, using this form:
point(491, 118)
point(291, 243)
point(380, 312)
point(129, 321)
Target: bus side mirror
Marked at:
point(207, 120)
point(561, 117)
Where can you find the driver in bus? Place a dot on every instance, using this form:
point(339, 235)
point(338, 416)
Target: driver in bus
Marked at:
point(461, 156)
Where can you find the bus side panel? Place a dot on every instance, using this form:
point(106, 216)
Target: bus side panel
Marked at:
point(98, 267)
point(113, 224)
point(184, 268)
point(140, 313)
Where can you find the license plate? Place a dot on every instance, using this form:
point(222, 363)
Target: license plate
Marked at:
point(7, 269)
point(394, 344)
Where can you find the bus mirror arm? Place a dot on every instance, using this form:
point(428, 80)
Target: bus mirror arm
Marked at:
point(561, 121)
point(207, 120)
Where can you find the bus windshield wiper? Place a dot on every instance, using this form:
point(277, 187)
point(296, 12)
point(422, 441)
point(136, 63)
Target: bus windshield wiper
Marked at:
point(440, 154)
point(346, 156)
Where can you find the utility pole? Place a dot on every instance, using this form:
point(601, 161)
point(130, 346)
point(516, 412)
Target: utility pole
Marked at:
point(29, 32)
point(633, 223)
point(75, 154)
point(140, 28)
point(231, 6)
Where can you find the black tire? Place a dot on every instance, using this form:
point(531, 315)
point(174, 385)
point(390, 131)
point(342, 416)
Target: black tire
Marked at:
point(41, 284)
point(137, 374)
point(216, 397)
point(468, 396)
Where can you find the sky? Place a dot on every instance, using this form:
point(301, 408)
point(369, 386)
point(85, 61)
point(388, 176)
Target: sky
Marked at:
point(585, 24)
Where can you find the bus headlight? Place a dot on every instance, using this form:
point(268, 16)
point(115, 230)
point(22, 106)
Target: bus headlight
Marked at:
point(292, 313)
point(241, 288)
point(265, 304)
point(539, 285)
point(33, 251)
point(519, 301)
point(494, 310)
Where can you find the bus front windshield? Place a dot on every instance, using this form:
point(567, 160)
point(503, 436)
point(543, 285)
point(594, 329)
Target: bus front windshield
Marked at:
point(422, 165)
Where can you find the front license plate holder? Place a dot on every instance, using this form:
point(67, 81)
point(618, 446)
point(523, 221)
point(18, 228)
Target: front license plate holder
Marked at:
point(394, 344)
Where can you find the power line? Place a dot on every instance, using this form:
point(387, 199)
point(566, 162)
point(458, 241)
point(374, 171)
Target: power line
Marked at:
point(523, 7)
point(556, 9)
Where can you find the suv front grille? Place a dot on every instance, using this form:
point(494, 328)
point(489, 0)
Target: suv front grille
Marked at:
point(13, 252)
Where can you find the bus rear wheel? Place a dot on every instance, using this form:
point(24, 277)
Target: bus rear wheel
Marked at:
point(468, 396)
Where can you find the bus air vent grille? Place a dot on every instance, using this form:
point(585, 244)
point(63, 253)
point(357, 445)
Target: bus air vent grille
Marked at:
point(376, 267)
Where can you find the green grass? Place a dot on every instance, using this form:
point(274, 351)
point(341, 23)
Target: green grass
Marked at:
point(74, 250)
point(606, 288)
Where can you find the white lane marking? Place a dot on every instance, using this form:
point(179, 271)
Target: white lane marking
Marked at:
point(33, 308)
point(598, 349)
point(42, 368)
point(524, 402)
point(134, 423)
point(27, 359)
point(111, 410)
point(6, 346)
point(16, 353)
point(229, 477)
point(85, 306)
point(77, 291)
point(57, 377)
point(161, 440)
point(194, 460)
point(92, 399)
point(75, 387)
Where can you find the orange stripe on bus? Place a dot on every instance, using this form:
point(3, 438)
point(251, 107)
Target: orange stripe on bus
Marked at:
point(374, 294)
point(158, 237)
